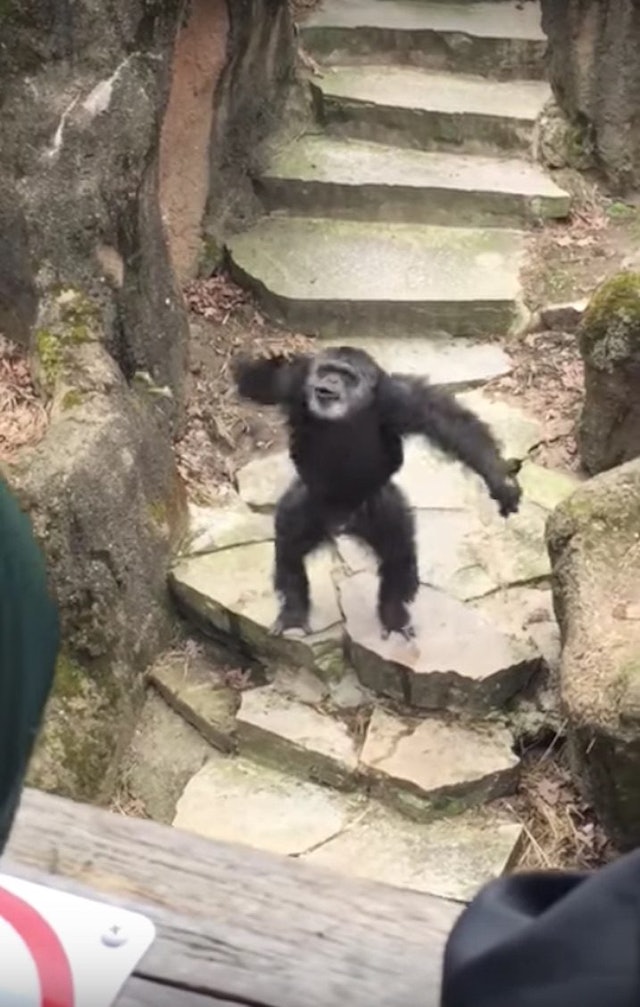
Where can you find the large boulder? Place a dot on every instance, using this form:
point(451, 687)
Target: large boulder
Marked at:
point(86, 286)
point(594, 544)
point(609, 430)
point(109, 114)
point(594, 69)
point(104, 496)
point(83, 97)
point(256, 94)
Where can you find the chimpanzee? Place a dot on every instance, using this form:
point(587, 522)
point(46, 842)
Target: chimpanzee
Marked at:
point(346, 418)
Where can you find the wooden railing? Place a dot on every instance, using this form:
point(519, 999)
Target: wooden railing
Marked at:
point(234, 925)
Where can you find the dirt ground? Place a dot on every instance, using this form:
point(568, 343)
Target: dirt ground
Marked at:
point(566, 262)
point(560, 829)
point(23, 416)
point(222, 432)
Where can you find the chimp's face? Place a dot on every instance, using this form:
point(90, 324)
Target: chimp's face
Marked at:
point(340, 382)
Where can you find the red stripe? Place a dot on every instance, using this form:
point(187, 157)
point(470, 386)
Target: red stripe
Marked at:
point(49, 956)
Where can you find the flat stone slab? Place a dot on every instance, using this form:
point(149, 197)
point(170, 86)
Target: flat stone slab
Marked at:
point(231, 592)
point(457, 660)
point(413, 88)
point(451, 858)
point(333, 276)
point(236, 801)
point(194, 691)
point(163, 755)
point(507, 20)
point(546, 487)
point(452, 363)
point(527, 613)
point(437, 767)
point(263, 480)
point(412, 107)
point(233, 523)
point(516, 431)
point(464, 38)
point(233, 800)
point(492, 552)
point(340, 177)
point(331, 159)
point(295, 737)
point(470, 553)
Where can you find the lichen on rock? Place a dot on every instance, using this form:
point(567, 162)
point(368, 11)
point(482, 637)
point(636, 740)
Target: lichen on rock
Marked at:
point(609, 431)
point(594, 544)
point(560, 143)
point(70, 760)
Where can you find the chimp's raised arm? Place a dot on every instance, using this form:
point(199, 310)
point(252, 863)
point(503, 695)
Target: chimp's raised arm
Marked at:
point(411, 406)
point(347, 418)
point(271, 381)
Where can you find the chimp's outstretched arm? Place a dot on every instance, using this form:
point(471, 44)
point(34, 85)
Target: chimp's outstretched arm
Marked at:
point(271, 381)
point(412, 406)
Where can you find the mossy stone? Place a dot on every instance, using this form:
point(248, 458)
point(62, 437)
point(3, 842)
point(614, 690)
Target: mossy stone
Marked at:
point(610, 329)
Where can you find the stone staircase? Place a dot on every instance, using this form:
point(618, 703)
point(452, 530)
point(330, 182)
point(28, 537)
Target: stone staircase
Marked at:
point(396, 213)
point(397, 223)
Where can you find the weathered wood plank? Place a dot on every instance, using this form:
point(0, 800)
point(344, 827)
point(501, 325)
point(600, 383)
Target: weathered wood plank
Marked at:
point(240, 924)
point(143, 993)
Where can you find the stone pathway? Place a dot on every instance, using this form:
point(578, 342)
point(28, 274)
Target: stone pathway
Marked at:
point(396, 224)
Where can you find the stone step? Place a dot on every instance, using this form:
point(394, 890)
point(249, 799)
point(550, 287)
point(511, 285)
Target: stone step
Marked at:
point(235, 800)
point(448, 857)
point(410, 107)
point(279, 730)
point(457, 660)
point(339, 276)
point(407, 764)
point(192, 688)
point(332, 177)
point(484, 619)
point(499, 40)
point(230, 594)
point(450, 363)
point(435, 768)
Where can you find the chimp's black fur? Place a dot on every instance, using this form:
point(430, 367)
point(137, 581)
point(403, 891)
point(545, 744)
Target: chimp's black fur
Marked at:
point(347, 419)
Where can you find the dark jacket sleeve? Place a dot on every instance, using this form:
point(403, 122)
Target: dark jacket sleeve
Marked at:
point(549, 940)
point(29, 640)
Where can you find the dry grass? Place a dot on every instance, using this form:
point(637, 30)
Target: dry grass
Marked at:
point(222, 432)
point(560, 828)
point(127, 806)
point(301, 8)
point(547, 381)
point(23, 416)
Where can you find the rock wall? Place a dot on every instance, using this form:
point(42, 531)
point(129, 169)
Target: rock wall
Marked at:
point(594, 544)
point(233, 67)
point(594, 67)
point(199, 58)
point(609, 335)
point(93, 134)
point(83, 89)
point(251, 98)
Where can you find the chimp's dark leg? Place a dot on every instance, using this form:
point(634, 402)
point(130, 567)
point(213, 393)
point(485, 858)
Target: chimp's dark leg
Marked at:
point(299, 530)
point(386, 524)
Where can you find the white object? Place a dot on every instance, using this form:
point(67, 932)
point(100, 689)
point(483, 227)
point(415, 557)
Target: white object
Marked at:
point(60, 950)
